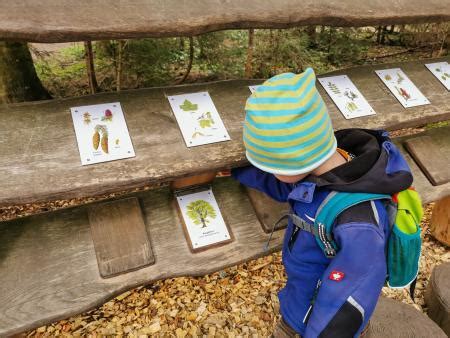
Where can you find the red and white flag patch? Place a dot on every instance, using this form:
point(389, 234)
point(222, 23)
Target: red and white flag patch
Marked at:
point(337, 276)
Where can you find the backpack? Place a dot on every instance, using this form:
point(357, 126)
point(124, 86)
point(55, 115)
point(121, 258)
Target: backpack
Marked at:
point(404, 244)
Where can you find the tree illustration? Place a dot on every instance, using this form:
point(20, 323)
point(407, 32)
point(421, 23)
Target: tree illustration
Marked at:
point(199, 211)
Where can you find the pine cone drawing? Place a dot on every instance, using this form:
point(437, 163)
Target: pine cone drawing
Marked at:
point(103, 140)
point(96, 139)
point(105, 143)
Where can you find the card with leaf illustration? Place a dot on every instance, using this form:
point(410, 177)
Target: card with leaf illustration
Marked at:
point(402, 87)
point(198, 119)
point(203, 223)
point(442, 71)
point(346, 96)
point(102, 133)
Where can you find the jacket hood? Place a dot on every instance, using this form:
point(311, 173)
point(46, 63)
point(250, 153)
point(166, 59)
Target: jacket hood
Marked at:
point(378, 166)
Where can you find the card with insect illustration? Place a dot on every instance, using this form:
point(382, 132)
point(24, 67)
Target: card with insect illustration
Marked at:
point(402, 87)
point(346, 96)
point(198, 119)
point(102, 133)
point(442, 71)
point(203, 223)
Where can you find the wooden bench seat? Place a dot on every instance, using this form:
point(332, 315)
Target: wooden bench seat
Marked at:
point(39, 158)
point(28, 20)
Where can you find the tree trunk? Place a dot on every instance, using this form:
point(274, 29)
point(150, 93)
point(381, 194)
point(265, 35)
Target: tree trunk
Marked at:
point(119, 65)
point(18, 79)
point(248, 64)
point(90, 67)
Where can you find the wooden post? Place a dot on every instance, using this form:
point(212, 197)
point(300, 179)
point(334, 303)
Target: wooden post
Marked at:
point(440, 221)
point(120, 47)
point(90, 67)
point(191, 60)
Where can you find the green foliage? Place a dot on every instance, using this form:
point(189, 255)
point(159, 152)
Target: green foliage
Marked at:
point(188, 106)
point(222, 55)
point(200, 211)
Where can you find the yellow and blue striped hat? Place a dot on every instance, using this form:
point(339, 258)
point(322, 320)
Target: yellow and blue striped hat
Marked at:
point(287, 129)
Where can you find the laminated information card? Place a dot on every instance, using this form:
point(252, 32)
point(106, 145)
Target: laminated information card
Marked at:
point(198, 119)
point(402, 87)
point(203, 223)
point(442, 71)
point(346, 96)
point(102, 133)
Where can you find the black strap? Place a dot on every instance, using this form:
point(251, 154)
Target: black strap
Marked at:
point(412, 288)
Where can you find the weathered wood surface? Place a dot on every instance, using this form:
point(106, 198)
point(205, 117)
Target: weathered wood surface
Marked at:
point(440, 221)
point(437, 296)
point(29, 20)
point(268, 210)
point(428, 192)
point(394, 319)
point(48, 267)
point(431, 151)
point(120, 238)
point(39, 157)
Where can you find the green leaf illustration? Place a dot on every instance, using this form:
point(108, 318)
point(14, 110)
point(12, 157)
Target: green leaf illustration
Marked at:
point(200, 212)
point(188, 106)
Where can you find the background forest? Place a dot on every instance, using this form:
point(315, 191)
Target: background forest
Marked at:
point(127, 64)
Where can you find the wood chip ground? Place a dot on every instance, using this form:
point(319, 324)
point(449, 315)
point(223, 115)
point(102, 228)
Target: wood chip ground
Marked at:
point(240, 301)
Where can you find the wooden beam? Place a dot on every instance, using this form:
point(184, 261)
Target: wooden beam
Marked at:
point(39, 158)
point(440, 221)
point(28, 20)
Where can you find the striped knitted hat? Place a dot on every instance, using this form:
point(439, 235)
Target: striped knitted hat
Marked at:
point(287, 129)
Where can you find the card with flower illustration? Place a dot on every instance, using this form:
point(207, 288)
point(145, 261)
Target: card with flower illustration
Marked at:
point(203, 223)
point(346, 96)
point(442, 71)
point(198, 119)
point(102, 133)
point(402, 87)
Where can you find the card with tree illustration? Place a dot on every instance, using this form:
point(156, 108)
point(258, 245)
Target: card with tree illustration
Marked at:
point(102, 133)
point(442, 71)
point(203, 223)
point(198, 119)
point(402, 87)
point(346, 96)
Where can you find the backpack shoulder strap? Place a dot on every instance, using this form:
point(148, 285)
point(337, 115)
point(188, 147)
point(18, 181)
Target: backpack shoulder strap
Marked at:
point(334, 204)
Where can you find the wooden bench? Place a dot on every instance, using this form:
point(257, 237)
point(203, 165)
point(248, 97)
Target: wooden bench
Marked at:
point(48, 264)
point(28, 20)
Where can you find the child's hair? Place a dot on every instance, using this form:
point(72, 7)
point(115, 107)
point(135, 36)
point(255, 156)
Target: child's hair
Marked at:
point(287, 128)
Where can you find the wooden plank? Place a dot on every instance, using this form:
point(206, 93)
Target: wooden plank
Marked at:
point(431, 151)
point(48, 268)
point(120, 238)
point(28, 20)
point(39, 158)
point(268, 210)
point(437, 296)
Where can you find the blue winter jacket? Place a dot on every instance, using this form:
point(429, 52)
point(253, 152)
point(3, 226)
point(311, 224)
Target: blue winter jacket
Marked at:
point(335, 297)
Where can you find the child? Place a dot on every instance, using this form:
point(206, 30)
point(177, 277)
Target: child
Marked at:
point(297, 158)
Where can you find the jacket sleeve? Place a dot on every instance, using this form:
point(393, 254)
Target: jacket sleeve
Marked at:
point(263, 181)
point(351, 284)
